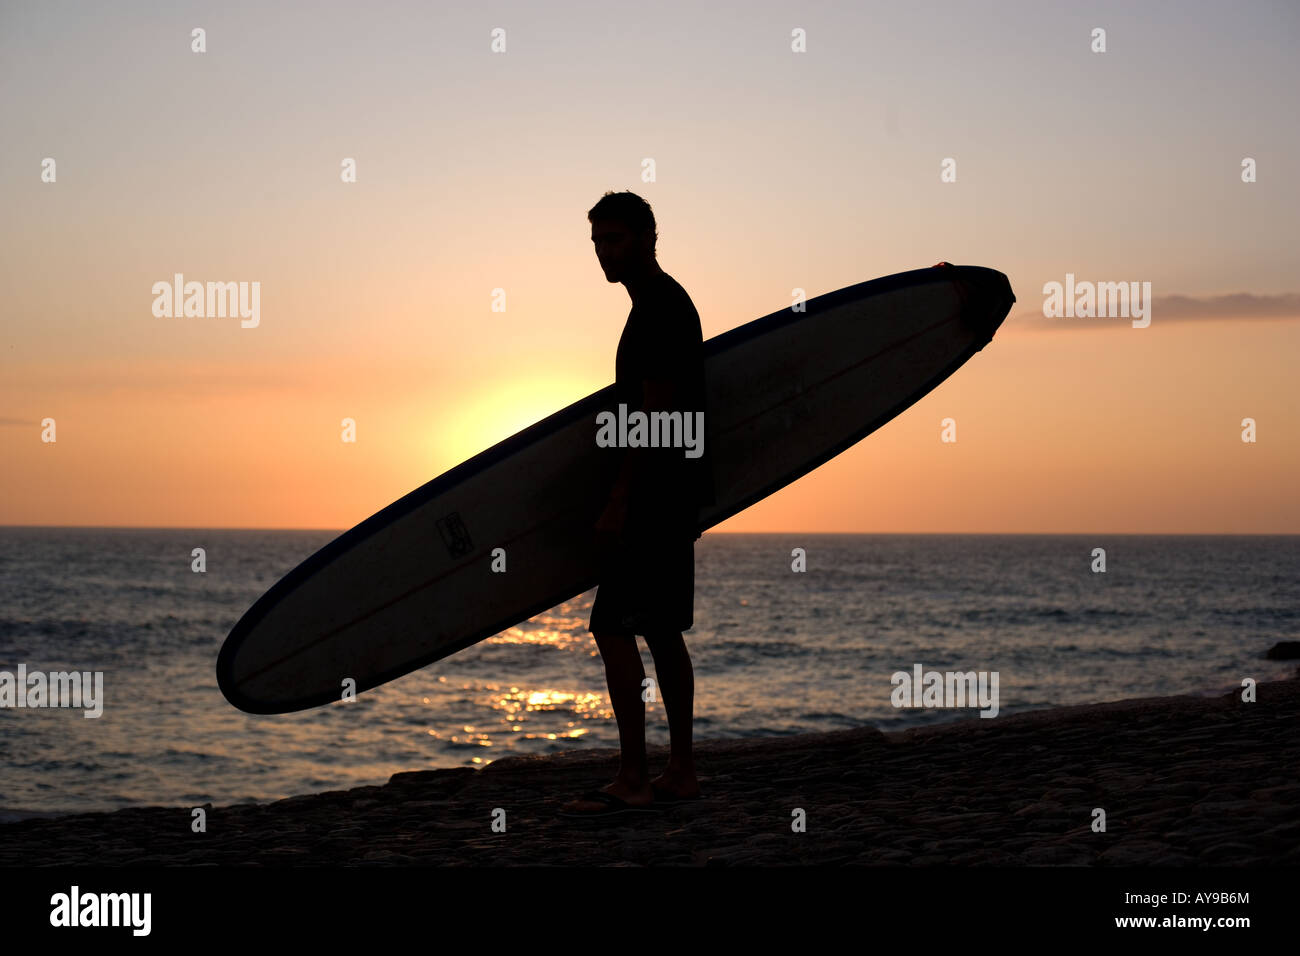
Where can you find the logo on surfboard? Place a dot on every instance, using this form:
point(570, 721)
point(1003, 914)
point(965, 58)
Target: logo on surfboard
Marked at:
point(454, 535)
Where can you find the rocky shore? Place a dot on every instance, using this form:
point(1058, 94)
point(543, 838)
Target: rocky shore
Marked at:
point(1182, 781)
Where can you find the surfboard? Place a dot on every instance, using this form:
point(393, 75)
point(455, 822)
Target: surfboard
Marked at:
point(415, 583)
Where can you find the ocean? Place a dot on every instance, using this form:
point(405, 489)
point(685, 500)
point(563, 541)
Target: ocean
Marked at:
point(775, 651)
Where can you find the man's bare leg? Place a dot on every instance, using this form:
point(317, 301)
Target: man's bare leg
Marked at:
point(624, 674)
point(677, 681)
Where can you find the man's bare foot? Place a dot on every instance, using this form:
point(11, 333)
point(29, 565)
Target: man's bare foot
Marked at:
point(641, 796)
point(679, 784)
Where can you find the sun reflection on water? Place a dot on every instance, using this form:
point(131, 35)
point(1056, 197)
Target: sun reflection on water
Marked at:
point(526, 714)
point(516, 704)
point(554, 629)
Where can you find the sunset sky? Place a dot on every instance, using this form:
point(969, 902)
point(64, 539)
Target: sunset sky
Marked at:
point(774, 170)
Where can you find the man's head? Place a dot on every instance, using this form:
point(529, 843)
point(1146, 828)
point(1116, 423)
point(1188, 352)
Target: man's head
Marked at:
point(623, 232)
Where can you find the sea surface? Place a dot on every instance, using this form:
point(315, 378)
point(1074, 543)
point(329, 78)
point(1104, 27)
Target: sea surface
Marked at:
point(775, 652)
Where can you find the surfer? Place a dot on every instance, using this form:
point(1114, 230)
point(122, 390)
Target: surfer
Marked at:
point(646, 532)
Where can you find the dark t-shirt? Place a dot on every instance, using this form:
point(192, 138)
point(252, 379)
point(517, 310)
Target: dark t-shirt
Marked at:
point(662, 340)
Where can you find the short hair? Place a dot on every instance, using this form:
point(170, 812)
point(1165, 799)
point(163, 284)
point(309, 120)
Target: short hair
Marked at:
point(629, 209)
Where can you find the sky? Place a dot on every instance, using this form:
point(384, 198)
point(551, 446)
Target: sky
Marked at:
point(770, 170)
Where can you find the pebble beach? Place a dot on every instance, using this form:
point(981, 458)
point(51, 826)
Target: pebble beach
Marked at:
point(1182, 781)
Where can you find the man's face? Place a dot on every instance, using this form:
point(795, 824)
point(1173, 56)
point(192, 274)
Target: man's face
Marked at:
point(619, 251)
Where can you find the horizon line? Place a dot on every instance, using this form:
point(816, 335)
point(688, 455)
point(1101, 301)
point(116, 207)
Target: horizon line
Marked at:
point(1026, 534)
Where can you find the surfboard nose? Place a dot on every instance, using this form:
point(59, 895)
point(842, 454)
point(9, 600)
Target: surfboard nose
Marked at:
point(986, 297)
point(985, 314)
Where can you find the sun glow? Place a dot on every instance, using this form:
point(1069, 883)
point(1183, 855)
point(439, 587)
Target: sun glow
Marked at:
point(495, 411)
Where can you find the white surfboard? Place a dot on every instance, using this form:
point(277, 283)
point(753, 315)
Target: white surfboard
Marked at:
point(413, 583)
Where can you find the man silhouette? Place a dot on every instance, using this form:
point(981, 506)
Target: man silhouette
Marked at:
point(646, 533)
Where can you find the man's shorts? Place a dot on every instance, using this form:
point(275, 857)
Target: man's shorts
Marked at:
point(648, 585)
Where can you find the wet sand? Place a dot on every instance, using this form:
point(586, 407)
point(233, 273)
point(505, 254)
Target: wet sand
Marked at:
point(1183, 781)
